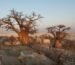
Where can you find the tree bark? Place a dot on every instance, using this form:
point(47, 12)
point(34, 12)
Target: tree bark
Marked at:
point(58, 43)
point(23, 37)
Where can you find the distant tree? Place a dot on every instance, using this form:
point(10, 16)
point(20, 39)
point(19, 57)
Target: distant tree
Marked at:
point(59, 33)
point(22, 25)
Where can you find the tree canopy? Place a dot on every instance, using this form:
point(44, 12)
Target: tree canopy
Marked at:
point(16, 21)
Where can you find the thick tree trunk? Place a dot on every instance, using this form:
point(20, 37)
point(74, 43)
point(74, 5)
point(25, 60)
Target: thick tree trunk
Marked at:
point(24, 37)
point(58, 44)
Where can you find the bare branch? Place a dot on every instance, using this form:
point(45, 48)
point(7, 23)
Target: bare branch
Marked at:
point(9, 24)
point(52, 30)
point(17, 16)
point(26, 23)
point(68, 28)
point(58, 31)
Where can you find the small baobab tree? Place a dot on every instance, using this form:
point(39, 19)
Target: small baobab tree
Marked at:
point(22, 25)
point(59, 32)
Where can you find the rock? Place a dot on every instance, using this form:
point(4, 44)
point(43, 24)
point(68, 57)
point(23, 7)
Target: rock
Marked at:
point(68, 58)
point(9, 60)
point(2, 52)
point(35, 59)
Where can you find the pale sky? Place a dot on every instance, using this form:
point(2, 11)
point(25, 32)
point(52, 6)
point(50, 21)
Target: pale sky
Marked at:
point(54, 11)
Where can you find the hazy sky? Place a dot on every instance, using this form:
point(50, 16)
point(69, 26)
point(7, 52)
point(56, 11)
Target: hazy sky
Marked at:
point(54, 11)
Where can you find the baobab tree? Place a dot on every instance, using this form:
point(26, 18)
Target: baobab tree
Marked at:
point(59, 32)
point(22, 25)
